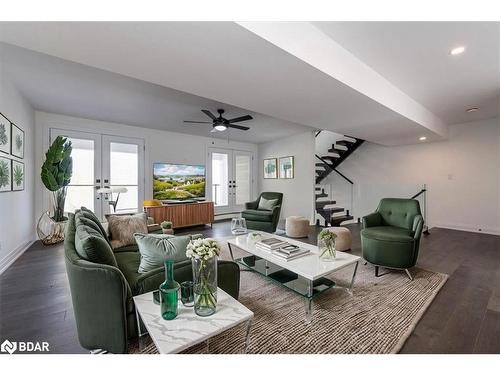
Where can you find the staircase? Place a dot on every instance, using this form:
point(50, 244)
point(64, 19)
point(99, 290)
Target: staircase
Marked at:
point(325, 207)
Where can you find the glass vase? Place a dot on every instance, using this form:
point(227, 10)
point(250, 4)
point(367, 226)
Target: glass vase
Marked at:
point(169, 293)
point(205, 285)
point(327, 250)
point(58, 202)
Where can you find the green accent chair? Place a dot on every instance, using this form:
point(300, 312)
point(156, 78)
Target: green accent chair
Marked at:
point(102, 290)
point(264, 220)
point(391, 235)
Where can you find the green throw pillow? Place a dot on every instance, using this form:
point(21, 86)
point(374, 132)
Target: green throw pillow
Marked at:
point(156, 248)
point(267, 204)
point(90, 244)
point(90, 215)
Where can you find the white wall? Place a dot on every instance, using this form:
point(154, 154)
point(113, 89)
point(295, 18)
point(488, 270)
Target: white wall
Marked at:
point(161, 146)
point(17, 219)
point(462, 175)
point(298, 192)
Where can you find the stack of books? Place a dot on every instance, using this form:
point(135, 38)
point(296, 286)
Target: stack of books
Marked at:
point(281, 249)
point(270, 244)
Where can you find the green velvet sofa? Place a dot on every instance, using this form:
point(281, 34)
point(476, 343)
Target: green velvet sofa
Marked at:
point(264, 220)
point(102, 291)
point(391, 235)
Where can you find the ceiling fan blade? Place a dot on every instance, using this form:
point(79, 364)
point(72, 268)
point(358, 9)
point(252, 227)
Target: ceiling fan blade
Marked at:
point(197, 122)
point(238, 127)
point(242, 118)
point(209, 114)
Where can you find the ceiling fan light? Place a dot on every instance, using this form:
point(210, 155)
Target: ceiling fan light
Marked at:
point(220, 127)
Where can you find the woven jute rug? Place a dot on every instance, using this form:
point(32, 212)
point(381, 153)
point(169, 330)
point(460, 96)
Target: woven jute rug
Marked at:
point(377, 318)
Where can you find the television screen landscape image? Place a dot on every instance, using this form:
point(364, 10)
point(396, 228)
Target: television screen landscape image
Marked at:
point(178, 181)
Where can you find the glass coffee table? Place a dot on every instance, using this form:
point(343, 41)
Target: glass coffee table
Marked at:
point(306, 276)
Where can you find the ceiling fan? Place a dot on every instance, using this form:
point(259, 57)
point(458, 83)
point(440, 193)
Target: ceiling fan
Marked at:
point(220, 123)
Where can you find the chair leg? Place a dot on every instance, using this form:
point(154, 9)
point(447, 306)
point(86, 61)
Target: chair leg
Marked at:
point(409, 274)
point(376, 271)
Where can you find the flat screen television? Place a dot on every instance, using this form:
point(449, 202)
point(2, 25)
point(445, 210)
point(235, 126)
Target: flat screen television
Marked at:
point(178, 181)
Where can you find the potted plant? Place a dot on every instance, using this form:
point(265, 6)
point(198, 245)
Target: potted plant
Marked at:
point(326, 245)
point(203, 253)
point(56, 175)
point(166, 227)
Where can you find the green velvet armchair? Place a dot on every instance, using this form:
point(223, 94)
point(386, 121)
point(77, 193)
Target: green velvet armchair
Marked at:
point(264, 220)
point(391, 235)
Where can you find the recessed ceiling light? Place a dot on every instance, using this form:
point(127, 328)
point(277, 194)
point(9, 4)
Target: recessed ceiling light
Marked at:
point(422, 138)
point(473, 109)
point(457, 50)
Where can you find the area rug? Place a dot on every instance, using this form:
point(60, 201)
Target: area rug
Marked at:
point(377, 318)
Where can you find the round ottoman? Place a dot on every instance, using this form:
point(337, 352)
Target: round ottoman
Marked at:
point(296, 226)
point(344, 239)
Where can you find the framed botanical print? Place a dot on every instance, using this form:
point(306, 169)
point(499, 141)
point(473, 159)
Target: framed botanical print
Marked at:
point(270, 168)
point(286, 167)
point(17, 142)
point(4, 134)
point(5, 174)
point(17, 175)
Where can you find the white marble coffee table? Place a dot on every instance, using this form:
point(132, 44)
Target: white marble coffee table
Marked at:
point(307, 276)
point(188, 329)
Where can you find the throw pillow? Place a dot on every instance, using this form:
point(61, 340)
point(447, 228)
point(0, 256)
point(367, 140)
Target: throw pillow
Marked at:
point(90, 244)
point(91, 216)
point(122, 228)
point(267, 204)
point(155, 249)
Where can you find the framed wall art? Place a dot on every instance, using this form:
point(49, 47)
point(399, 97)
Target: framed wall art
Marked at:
point(286, 167)
point(5, 174)
point(17, 142)
point(4, 134)
point(18, 175)
point(270, 168)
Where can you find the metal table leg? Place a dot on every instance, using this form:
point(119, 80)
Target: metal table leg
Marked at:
point(353, 278)
point(309, 301)
point(230, 251)
point(247, 337)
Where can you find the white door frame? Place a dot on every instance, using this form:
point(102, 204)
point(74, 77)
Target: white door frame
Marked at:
point(101, 162)
point(97, 139)
point(231, 208)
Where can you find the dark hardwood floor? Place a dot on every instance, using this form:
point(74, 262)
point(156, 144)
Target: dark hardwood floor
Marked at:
point(35, 302)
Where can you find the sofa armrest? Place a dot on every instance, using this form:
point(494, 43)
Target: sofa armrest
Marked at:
point(372, 220)
point(418, 224)
point(100, 295)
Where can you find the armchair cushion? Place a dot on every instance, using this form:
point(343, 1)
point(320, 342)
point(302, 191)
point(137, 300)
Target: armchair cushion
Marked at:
point(392, 234)
point(258, 215)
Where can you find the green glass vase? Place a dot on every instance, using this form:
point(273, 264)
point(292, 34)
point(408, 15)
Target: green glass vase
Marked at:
point(169, 292)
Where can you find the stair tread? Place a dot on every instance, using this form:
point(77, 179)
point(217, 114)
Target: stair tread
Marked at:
point(337, 150)
point(332, 210)
point(340, 219)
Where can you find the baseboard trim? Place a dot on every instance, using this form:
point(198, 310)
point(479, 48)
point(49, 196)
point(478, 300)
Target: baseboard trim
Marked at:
point(464, 228)
point(6, 262)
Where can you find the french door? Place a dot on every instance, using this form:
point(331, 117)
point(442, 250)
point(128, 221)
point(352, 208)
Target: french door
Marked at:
point(230, 179)
point(108, 172)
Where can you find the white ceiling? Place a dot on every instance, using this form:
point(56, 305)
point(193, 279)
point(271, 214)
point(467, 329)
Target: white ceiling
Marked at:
point(55, 85)
point(230, 64)
point(415, 57)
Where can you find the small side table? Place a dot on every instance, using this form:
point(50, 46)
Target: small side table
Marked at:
point(189, 329)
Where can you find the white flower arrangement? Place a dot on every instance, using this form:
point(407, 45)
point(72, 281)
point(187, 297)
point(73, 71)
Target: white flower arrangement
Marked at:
point(202, 248)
